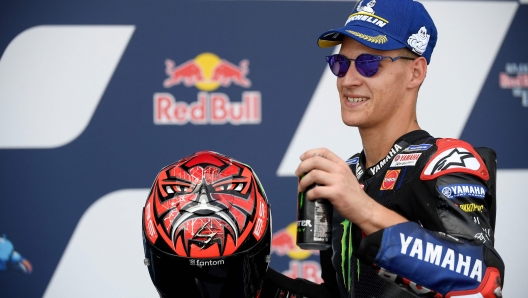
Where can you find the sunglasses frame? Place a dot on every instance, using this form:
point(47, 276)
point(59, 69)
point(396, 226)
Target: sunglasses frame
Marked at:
point(358, 62)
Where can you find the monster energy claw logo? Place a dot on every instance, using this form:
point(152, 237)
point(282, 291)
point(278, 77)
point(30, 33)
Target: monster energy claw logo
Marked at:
point(346, 254)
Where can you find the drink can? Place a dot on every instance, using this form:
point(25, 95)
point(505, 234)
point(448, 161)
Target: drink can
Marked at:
point(314, 223)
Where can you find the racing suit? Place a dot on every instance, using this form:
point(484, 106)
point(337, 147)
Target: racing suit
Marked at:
point(446, 189)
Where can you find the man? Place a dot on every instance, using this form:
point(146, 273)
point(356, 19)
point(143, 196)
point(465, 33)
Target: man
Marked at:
point(413, 215)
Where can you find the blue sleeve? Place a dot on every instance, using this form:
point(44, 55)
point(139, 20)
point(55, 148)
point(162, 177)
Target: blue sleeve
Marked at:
point(440, 263)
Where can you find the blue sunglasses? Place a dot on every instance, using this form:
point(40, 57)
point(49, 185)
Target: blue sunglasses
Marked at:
point(366, 64)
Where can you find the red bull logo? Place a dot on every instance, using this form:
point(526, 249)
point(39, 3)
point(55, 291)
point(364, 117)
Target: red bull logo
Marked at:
point(284, 243)
point(515, 77)
point(207, 72)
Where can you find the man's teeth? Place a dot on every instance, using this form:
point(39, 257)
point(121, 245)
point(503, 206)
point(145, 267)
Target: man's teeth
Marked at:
point(357, 99)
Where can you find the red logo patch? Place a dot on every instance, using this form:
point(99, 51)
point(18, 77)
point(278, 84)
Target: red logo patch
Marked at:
point(390, 179)
point(454, 156)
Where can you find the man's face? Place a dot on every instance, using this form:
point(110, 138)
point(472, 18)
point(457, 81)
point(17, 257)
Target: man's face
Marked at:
point(375, 101)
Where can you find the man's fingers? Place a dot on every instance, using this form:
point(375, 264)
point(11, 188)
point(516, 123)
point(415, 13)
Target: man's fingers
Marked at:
point(319, 192)
point(322, 152)
point(315, 162)
point(314, 176)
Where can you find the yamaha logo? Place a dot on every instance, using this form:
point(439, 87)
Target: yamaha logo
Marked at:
point(447, 192)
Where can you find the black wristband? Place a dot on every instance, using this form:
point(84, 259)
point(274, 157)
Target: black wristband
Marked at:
point(369, 247)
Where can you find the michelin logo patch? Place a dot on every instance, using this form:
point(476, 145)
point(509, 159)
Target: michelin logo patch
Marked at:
point(461, 190)
point(367, 8)
point(419, 41)
point(366, 13)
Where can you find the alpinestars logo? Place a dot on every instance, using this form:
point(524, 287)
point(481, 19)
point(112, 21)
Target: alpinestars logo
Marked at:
point(453, 158)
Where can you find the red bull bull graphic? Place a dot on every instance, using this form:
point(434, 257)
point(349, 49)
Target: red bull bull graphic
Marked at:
point(189, 73)
point(226, 73)
point(207, 72)
point(283, 244)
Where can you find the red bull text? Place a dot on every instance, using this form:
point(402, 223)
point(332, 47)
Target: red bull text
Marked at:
point(207, 72)
point(210, 108)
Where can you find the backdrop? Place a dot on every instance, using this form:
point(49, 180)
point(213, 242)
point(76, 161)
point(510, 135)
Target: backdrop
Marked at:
point(97, 96)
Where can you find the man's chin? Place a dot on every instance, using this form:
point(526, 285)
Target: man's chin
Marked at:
point(350, 119)
point(350, 123)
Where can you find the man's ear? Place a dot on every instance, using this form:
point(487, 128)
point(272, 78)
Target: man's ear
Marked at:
point(419, 70)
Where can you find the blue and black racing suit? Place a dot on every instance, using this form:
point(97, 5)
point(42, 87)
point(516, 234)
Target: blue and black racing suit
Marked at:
point(446, 189)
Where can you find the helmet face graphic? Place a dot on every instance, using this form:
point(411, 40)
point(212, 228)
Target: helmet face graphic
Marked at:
point(207, 210)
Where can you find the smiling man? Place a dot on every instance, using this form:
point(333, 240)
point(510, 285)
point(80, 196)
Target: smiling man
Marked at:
point(414, 214)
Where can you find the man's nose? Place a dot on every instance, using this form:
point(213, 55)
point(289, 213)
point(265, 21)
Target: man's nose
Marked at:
point(352, 77)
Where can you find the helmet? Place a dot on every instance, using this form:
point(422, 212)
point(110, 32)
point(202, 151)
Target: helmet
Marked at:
point(207, 229)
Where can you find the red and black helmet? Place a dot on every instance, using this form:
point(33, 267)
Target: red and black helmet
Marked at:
point(207, 229)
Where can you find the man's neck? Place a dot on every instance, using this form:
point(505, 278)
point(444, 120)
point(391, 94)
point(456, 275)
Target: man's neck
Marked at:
point(378, 142)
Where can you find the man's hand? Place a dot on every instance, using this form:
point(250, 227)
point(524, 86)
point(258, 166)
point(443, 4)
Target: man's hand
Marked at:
point(336, 183)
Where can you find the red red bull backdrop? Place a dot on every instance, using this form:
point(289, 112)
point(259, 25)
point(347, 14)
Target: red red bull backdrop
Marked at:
point(97, 96)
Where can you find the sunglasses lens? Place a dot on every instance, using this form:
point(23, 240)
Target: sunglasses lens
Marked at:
point(338, 64)
point(367, 65)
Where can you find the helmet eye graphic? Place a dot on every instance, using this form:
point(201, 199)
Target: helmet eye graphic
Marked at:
point(236, 186)
point(177, 189)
